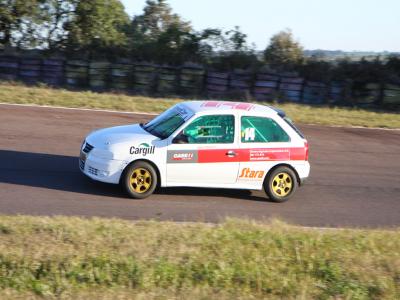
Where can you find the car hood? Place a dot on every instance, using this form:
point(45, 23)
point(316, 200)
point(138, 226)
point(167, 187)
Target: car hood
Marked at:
point(109, 138)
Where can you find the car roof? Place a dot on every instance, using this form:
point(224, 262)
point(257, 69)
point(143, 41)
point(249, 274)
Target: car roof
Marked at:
point(214, 105)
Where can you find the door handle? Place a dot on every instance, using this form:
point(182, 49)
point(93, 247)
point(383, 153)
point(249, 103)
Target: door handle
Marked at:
point(231, 153)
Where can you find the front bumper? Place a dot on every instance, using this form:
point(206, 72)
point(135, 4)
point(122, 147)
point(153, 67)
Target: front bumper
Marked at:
point(99, 169)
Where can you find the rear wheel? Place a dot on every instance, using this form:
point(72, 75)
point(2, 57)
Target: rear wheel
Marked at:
point(140, 180)
point(280, 184)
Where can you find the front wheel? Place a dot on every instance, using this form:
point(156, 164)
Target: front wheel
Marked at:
point(280, 184)
point(140, 180)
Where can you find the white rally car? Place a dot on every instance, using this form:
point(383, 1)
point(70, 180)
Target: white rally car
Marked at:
point(213, 144)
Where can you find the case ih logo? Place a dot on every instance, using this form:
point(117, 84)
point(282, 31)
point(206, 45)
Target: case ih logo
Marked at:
point(143, 149)
point(248, 173)
point(183, 156)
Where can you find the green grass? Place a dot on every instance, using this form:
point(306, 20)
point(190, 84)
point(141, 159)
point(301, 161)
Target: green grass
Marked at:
point(113, 259)
point(17, 93)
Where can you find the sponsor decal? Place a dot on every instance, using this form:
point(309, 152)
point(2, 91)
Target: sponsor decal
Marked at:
point(143, 149)
point(243, 155)
point(232, 105)
point(251, 174)
point(270, 154)
point(249, 134)
point(184, 156)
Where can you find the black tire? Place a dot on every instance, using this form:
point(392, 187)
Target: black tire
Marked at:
point(280, 184)
point(139, 180)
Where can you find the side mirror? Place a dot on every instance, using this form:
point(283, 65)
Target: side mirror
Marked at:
point(181, 138)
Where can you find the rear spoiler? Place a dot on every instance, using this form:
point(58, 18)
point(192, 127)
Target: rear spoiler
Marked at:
point(280, 112)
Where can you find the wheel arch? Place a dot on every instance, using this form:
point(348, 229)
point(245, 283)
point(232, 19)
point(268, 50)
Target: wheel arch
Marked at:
point(147, 161)
point(284, 165)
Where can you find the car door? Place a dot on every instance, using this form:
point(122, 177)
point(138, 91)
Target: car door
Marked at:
point(203, 152)
point(263, 143)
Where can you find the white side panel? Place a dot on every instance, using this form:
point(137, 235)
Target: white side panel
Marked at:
point(202, 173)
point(302, 168)
point(253, 173)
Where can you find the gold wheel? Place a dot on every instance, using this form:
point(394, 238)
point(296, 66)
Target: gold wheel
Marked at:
point(141, 180)
point(282, 184)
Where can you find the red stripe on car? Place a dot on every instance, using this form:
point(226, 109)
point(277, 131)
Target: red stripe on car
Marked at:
point(246, 155)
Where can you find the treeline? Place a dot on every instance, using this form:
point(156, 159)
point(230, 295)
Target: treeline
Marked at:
point(101, 29)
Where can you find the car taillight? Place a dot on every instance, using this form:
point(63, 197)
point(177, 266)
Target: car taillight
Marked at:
point(306, 149)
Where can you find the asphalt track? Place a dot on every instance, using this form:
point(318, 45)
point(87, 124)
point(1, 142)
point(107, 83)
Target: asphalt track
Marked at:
point(354, 182)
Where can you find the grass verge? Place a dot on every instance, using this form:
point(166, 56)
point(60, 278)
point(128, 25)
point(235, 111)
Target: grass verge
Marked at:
point(18, 93)
point(78, 258)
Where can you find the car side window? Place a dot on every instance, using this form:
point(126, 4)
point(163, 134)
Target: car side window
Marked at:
point(261, 130)
point(213, 129)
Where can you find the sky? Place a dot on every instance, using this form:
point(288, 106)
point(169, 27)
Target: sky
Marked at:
point(349, 25)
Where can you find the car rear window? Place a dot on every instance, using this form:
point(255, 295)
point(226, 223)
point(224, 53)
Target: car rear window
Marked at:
point(261, 130)
point(291, 124)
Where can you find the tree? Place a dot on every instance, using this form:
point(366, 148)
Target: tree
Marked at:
point(316, 69)
point(283, 51)
point(20, 22)
point(60, 12)
point(157, 17)
point(78, 25)
point(97, 26)
point(236, 40)
point(161, 35)
point(232, 51)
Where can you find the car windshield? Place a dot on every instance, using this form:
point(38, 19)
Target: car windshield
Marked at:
point(165, 124)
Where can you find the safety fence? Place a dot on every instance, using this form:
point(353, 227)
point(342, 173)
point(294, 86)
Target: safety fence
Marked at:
point(196, 80)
